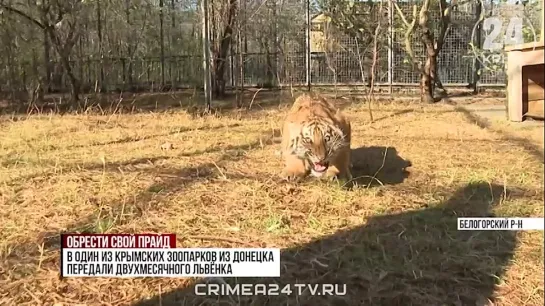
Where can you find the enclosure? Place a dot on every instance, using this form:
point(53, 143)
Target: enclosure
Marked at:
point(149, 160)
point(392, 239)
point(137, 45)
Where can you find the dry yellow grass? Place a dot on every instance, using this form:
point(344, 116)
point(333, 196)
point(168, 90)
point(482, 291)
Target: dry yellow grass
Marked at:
point(393, 242)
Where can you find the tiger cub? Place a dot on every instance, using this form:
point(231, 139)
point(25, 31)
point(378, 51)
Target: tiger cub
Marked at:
point(316, 140)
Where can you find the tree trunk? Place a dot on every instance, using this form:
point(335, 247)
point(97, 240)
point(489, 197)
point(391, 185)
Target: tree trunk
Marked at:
point(220, 56)
point(162, 43)
point(130, 46)
point(74, 82)
point(64, 54)
point(429, 70)
point(427, 80)
point(100, 47)
point(47, 62)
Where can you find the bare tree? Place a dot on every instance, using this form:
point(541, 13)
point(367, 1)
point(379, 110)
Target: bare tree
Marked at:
point(350, 16)
point(223, 21)
point(61, 21)
point(360, 22)
point(371, 96)
point(432, 44)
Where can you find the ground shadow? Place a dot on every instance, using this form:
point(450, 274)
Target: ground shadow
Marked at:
point(152, 136)
point(483, 123)
point(167, 181)
point(137, 102)
point(374, 166)
point(412, 258)
point(394, 114)
point(106, 215)
point(230, 153)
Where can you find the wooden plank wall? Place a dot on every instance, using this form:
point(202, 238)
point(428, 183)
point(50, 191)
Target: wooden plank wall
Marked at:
point(534, 91)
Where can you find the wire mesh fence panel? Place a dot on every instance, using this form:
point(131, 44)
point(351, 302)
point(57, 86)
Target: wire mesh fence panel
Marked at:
point(493, 63)
point(272, 43)
point(155, 45)
point(456, 63)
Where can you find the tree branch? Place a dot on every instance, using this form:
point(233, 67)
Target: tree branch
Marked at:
point(445, 24)
point(408, 34)
point(400, 12)
point(22, 14)
point(423, 16)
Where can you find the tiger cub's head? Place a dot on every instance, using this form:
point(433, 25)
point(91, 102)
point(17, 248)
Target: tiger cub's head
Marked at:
point(318, 144)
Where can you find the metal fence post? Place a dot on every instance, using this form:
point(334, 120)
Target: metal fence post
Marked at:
point(308, 75)
point(390, 45)
point(206, 54)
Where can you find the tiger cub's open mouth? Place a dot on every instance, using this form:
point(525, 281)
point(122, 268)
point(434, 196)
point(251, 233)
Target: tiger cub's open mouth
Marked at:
point(320, 167)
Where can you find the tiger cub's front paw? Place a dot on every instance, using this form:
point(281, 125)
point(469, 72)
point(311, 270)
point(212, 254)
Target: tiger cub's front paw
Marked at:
point(290, 174)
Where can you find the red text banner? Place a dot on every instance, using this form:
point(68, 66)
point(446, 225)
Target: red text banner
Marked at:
point(121, 241)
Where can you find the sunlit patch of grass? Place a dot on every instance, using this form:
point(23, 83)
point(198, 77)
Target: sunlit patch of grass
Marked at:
point(219, 186)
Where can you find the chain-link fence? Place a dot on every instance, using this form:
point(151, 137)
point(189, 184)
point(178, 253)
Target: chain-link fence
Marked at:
point(131, 45)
